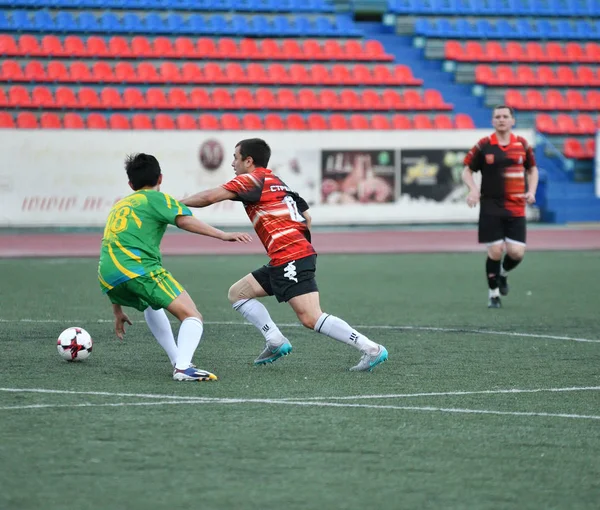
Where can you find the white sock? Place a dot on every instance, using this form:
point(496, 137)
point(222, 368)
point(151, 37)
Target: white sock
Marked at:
point(494, 292)
point(340, 330)
point(503, 272)
point(188, 339)
point(159, 325)
point(256, 313)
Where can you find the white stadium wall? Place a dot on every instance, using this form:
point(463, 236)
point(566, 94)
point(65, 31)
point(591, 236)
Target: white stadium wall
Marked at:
point(72, 178)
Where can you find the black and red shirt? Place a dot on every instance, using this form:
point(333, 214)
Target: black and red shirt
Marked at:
point(503, 168)
point(276, 213)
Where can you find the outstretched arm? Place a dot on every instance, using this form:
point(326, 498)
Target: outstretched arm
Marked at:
point(208, 197)
point(533, 177)
point(196, 226)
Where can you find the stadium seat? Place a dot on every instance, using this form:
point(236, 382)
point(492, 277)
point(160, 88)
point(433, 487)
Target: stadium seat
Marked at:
point(163, 48)
point(358, 121)
point(209, 122)
point(141, 47)
point(572, 149)
point(80, 72)
point(74, 46)
point(328, 100)
point(230, 121)
point(65, 98)
point(42, 97)
point(156, 99)
point(221, 99)
point(544, 123)
point(8, 45)
point(11, 71)
point(164, 122)
point(243, 99)
point(94, 121)
point(274, 122)
point(18, 96)
point(34, 71)
point(585, 124)
point(317, 122)
point(73, 120)
point(463, 121)
point(118, 121)
point(421, 121)
point(102, 72)
point(412, 100)
point(565, 124)
point(6, 120)
point(57, 72)
point(574, 100)
point(141, 121)
point(251, 121)
point(185, 121)
point(295, 122)
point(50, 121)
point(27, 120)
point(338, 121)
point(401, 122)
point(199, 98)
point(133, 99)
point(111, 98)
point(372, 50)
point(119, 47)
point(589, 148)
point(442, 121)
point(184, 47)
point(286, 99)
point(97, 47)
point(392, 100)
point(88, 98)
point(554, 100)
point(147, 73)
point(50, 46)
point(248, 49)
point(380, 122)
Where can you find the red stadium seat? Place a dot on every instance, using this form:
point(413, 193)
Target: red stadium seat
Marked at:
point(573, 149)
point(102, 72)
point(442, 121)
point(403, 76)
point(545, 75)
point(433, 100)
point(208, 121)
point(392, 100)
point(185, 121)
point(354, 50)
point(311, 50)
point(221, 100)
point(19, 96)
point(332, 50)
point(94, 121)
point(227, 48)
point(555, 100)
point(119, 47)
point(494, 52)
point(255, 73)
point(298, 74)
point(125, 73)
point(358, 121)
point(381, 75)
point(340, 75)
point(141, 47)
point(65, 98)
point(504, 75)
point(586, 77)
point(514, 51)
point(574, 100)
point(308, 99)
point(230, 121)
point(88, 98)
point(74, 46)
point(11, 71)
point(119, 121)
point(199, 98)
point(42, 97)
point(27, 120)
point(270, 50)
point(133, 99)
point(276, 73)
point(533, 53)
point(169, 73)
point(184, 47)
point(213, 73)
point(206, 48)
point(264, 99)
point(235, 73)
point(319, 75)
point(534, 100)
point(177, 99)
point(73, 120)
point(338, 121)
point(8, 45)
point(164, 121)
point(592, 52)
point(474, 51)
point(525, 75)
point(249, 50)
point(191, 73)
point(350, 100)
point(328, 100)
point(163, 48)
point(514, 99)
point(243, 99)
point(317, 122)
point(362, 75)
point(286, 99)
point(374, 50)
point(147, 73)
point(111, 98)
point(453, 50)
point(156, 99)
point(484, 75)
point(371, 100)
point(295, 122)
point(380, 122)
point(50, 46)
point(554, 53)
point(34, 71)
point(96, 46)
point(3, 99)
point(589, 148)
point(6, 120)
point(566, 77)
point(250, 121)
point(80, 72)
point(565, 124)
point(412, 100)
point(544, 123)
point(401, 122)
point(141, 121)
point(50, 121)
point(592, 98)
point(585, 124)
point(463, 121)
point(421, 121)
point(274, 122)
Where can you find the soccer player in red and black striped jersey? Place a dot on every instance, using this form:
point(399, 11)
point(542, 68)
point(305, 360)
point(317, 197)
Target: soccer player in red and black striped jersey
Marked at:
point(509, 179)
point(282, 222)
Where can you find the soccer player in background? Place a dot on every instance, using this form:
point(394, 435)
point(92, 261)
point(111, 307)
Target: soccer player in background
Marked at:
point(130, 269)
point(509, 179)
point(282, 222)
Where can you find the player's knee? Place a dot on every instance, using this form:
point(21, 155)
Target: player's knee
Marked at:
point(516, 252)
point(233, 294)
point(308, 319)
point(495, 251)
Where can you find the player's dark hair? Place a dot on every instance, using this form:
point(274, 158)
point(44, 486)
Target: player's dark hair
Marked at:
point(142, 169)
point(502, 106)
point(257, 149)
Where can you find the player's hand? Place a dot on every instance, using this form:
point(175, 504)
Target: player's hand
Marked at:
point(530, 197)
point(120, 320)
point(239, 237)
point(473, 198)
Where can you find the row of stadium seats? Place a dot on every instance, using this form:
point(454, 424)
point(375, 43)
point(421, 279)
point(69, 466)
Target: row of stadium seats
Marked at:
point(540, 76)
point(575, 8)
point(503, 29)
point(183, 47)
point(169, 72)
point(553, 100)
point(220, 98)
point(564, 124)
point(28, 120)
point(132, 23)
point(493, 51)
point(304, 6)
point(573, 148)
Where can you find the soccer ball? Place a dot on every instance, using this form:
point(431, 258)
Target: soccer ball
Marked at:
point(74, 344)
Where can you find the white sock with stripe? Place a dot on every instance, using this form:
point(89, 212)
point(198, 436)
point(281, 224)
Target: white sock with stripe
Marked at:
point(340, 330)
point(159, 325)
point(256, 313)
point(190, 333)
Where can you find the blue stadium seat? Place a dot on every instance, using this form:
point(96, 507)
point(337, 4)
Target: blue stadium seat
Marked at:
point(20, 21)
point(65, 22)
point(196, 24)
point(4, 23)
point(217, 24)
point(465, 7)
point(241, 25)
point(262, 26)
point(425, 28)
point(346, 27)
point(176, 24)
point(42, 22)
point(108, 22)
point(222, 5)
point(284, 27)
point(87, 22)
point(153, 23)
point(130, 23)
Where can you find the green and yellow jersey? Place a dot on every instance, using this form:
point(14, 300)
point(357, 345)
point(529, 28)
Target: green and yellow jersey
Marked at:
point(132, 236)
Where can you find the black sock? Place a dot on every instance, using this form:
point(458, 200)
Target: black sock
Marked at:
point(492, 269)
point(509, 263)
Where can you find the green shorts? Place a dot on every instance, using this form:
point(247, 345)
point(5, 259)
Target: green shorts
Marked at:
point(157, 289)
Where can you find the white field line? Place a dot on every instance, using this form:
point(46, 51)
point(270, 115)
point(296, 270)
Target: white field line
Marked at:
point(317, 404)
point(359, 326)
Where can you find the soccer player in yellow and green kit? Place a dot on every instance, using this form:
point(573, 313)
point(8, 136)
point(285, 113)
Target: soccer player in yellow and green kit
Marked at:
point(130, 269)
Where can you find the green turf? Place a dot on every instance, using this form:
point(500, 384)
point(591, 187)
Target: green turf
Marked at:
point(250, 449)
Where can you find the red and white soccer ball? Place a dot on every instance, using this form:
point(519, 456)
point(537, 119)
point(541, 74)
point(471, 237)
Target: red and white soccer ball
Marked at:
point(74, 344)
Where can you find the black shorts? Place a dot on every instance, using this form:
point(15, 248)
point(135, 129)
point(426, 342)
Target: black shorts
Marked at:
point(502, 228)
point(289, 280)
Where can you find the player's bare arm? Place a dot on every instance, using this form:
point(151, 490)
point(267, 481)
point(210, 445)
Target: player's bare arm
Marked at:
point(474, 194)
point(208, 197)
point(308, 219)
point(533, 178)
point(196, 226)
point(120, 320)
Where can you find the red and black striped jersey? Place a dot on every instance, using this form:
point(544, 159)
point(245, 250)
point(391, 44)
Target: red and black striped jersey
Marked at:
point(276, 213)
point(503, 167)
